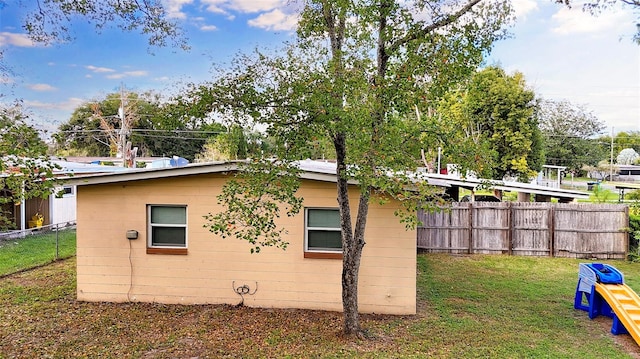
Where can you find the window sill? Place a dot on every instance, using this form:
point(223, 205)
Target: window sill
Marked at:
point(174, 251)
point(323, 255)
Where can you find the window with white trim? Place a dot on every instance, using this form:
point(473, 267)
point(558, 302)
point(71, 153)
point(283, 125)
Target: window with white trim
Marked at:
point(167, 226)
point(322, 230)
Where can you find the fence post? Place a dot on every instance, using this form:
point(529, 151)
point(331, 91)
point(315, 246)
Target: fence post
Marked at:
point(470, 228)
point(552, 239)
point(57, 242)
point(511, 228)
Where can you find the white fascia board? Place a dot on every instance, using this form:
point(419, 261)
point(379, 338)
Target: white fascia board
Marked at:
point(153, 173)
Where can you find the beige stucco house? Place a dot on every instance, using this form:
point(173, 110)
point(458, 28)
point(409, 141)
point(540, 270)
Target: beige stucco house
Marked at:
point(140, 237)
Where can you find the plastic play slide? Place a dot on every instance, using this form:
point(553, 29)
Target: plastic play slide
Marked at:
point(606, 294)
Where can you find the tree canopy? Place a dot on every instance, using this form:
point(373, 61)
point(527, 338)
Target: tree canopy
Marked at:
point(157, 129)
point(355, 77)
point(49, 21)
point(496, 112)
point(627, 156)
point(569, 135)
point(25, 169)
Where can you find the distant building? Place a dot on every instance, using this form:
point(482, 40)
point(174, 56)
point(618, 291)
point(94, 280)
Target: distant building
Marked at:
point(628, 173)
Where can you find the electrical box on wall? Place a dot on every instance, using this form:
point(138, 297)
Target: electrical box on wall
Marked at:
point(132, 234)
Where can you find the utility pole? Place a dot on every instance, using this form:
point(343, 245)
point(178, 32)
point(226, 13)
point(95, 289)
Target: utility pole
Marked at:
point(124, 131)
point(611, 162)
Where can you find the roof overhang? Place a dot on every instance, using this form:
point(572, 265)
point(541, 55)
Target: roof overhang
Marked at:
point(476, 183)
point(310, 170)
point(153, 173)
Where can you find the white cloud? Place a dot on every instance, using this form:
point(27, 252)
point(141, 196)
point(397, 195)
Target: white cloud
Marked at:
point(275, 20)
point(575, 21)
point(20, 40)
point(138, 73)
point(524, 7)
point(121, 75)
point(208, 28)
point(244, 6)
point(249, 6)
point(215, 6)
point(68, 105)
point(174, 8)
point(99, 69)
point(41, 87)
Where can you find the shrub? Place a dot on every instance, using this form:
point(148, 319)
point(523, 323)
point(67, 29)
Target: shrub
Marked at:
point(633, 195)
point(634, 232)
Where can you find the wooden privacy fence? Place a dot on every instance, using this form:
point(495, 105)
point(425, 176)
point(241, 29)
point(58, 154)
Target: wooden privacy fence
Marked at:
point(529, 229)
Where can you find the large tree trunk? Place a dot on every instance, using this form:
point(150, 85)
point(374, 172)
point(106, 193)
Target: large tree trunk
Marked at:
point(352, 243)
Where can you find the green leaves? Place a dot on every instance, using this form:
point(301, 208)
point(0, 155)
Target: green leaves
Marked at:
point(25, 169)
point(254, 199)
point(497, 112)
point(49, 23)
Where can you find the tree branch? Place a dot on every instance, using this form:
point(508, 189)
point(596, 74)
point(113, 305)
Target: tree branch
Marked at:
point(412, 35)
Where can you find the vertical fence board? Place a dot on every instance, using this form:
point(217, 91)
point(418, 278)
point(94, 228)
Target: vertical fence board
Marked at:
point(529, 229)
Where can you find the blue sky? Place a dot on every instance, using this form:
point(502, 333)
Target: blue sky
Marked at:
point(564, 54)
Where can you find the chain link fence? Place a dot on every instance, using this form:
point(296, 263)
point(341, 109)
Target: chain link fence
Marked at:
point(22, 250)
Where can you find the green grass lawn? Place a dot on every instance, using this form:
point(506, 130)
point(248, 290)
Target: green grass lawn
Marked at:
point(516, 307)
point(468, 307)
point(35, 250)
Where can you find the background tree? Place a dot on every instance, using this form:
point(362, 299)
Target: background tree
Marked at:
point(354, 76)
point(621, 140)
point(628, 156)
point(627, 139)
point(501, 109)
point(236, 144)
point(601, 171)
point(157, 129)
point(569, 132)
point(84, 134)
point(26, 170)
point(455, 133)
point(48, 22)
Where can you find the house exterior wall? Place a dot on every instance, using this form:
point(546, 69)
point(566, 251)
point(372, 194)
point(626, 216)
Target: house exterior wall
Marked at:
point(112, 268)
point(64, 207)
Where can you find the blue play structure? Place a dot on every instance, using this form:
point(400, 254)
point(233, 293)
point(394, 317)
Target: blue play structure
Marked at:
point(606, 294)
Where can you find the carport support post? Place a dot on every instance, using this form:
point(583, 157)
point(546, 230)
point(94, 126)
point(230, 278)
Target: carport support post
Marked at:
point(524, 197)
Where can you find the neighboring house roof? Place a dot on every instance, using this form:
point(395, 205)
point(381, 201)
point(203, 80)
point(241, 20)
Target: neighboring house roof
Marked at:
point(628, 167)
point(85, 159)
point(75, 167)
point(473, 183)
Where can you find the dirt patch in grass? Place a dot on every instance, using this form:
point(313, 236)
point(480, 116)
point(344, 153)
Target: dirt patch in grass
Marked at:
point(459, 316)
point(625, 341)
point(63, 327)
